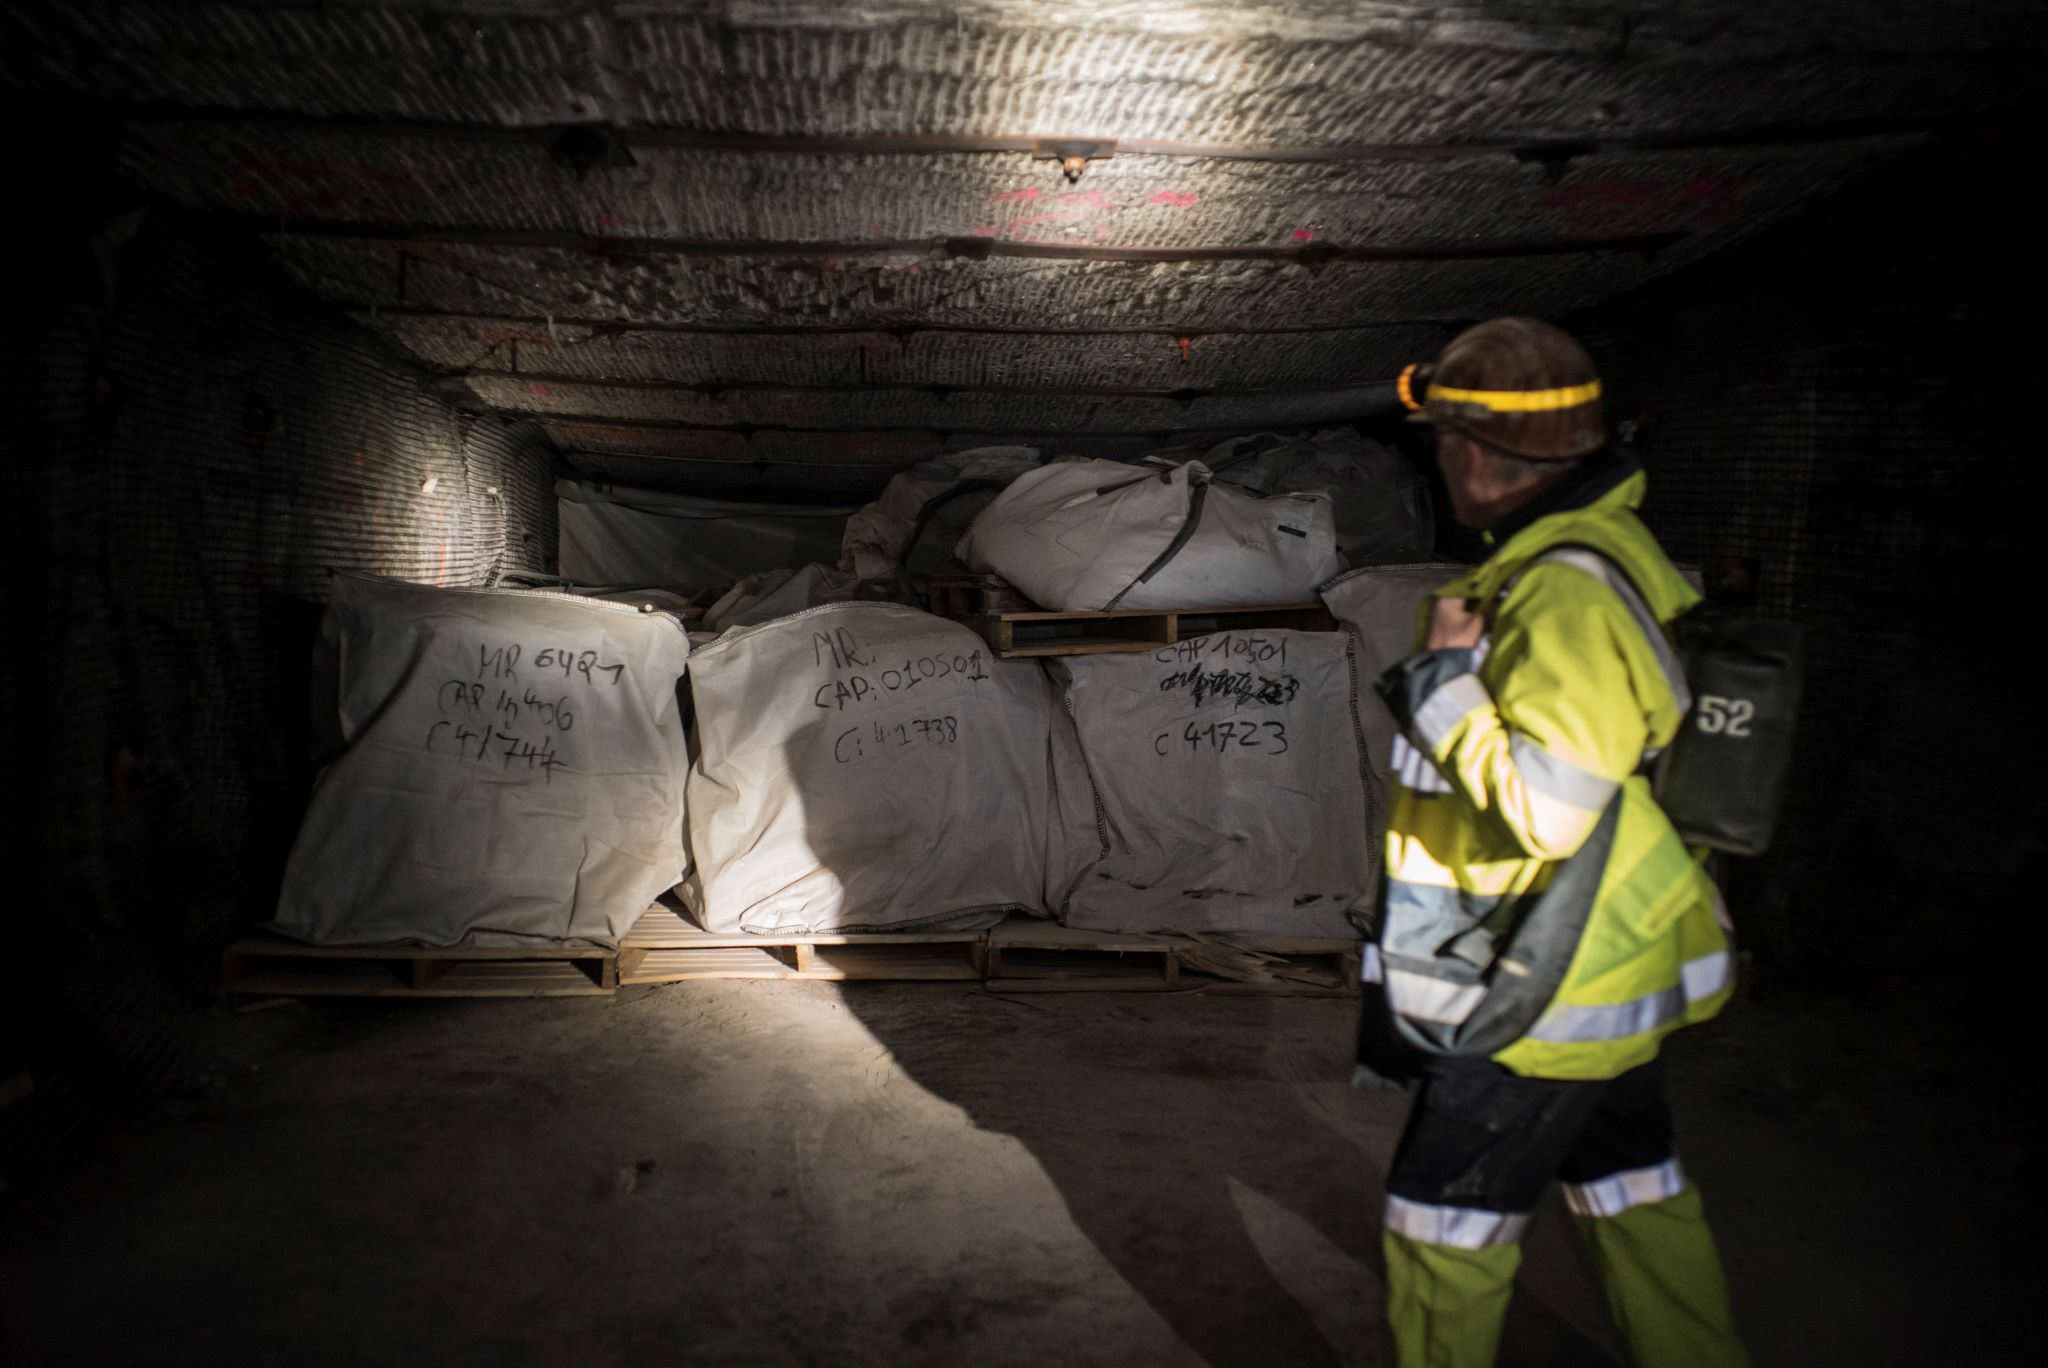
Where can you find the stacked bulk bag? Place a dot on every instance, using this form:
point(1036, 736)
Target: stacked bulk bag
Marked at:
point(1228, 784)
point(1379, 502)
point(865, 766)
point(511, 769)
point(1381, 607)
point(680, 606)
point(774, 594)
point(923, 511)
point(1085, 535)
point(612, 535)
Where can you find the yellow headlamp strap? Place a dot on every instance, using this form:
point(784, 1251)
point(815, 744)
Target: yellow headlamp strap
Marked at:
point(1517, 401)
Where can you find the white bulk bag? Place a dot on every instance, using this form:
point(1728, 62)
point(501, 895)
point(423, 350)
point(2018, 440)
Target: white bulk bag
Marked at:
point(879, 537)
point(866, 766)
point(1086, 535)
point(1228, 782)
point(779, 593)
point(1381, 607)
point(512, 769)
point(680, 606)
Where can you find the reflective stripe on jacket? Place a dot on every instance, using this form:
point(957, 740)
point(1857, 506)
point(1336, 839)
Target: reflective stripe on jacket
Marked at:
point(1517, 776)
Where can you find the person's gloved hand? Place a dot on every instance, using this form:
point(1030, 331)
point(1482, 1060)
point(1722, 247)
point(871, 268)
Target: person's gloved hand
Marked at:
point(1454, 622)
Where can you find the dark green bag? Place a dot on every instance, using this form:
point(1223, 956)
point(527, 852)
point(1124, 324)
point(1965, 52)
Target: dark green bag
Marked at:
point(1722, 780)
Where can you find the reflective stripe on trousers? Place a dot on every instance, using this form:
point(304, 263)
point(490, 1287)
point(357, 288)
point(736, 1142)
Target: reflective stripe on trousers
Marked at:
point(1457, 1227)
point(1616, 1193)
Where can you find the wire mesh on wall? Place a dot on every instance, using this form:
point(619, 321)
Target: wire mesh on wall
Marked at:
point(1828, 426)
point(198, 450)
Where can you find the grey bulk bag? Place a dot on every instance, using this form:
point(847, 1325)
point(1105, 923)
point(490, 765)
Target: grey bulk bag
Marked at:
point(1379, 503)
point(775, 594)
point(1087, 535)
point(1381, 606)
point(681, 542)
point(1228, 786)
point(923, 511)
point(511, 769)
point(866, 766)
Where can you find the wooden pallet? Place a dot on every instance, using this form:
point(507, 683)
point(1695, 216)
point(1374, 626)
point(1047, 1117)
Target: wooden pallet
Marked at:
point(274, 967)
point(1290, 966)
point(1020, 955)
point(1034, 956)
point(664, 947)
point(1045, 957)
point(971, 596)
point(1027, 630)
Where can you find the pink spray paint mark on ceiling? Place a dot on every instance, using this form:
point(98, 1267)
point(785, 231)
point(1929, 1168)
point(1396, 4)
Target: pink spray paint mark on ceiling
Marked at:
point(1178, 199)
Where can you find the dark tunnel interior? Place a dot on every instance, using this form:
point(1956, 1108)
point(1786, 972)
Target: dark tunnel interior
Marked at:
point(395, 287)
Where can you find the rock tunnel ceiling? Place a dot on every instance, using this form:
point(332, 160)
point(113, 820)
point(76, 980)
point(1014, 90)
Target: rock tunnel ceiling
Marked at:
point(798, 244)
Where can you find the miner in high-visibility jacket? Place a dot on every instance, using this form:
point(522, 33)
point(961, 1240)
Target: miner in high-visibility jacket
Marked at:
point(1541, 925)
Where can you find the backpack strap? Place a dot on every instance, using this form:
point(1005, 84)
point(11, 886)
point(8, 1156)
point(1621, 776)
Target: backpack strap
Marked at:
point(1600, 567)
point(1588, 561)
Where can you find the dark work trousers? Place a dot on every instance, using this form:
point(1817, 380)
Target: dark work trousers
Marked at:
point(1481, 1147)
point(1483, 1137)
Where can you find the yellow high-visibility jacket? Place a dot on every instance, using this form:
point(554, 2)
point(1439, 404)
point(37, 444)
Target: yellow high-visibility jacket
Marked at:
point(1537, 905)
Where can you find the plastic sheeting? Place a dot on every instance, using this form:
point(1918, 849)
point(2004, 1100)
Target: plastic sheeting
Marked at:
point(512, 770)
point(879, 537)
point(866, 766)
point(1088, 535)
point(689, 545)
point(1228, 785)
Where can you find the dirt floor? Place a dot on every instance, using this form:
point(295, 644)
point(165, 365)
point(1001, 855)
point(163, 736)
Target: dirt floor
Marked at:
point(778, 1173)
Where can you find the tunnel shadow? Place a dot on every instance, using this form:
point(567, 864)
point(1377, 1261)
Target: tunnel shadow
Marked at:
point(1188, 1145)
point(1158, 1140)
point(1193, 1156)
